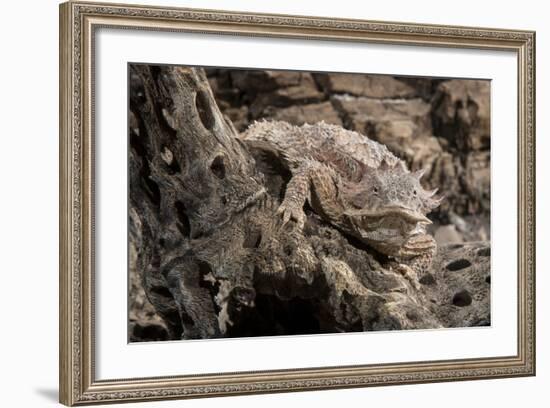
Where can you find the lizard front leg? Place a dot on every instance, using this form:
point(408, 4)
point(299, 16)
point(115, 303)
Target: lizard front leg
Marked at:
point(415, 257)
point(313, 182)
point(296, 194)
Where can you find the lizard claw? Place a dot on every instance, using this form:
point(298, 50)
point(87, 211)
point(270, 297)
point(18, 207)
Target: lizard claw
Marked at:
point(410, 274)
point(289, 212)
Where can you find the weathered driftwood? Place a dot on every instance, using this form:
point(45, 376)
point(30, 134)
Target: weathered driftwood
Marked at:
point(214, 259)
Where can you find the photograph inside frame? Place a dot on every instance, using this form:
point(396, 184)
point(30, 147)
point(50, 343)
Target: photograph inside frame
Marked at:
point(265, 203)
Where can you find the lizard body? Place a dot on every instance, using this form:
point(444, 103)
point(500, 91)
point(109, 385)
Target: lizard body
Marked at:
point(354, 183)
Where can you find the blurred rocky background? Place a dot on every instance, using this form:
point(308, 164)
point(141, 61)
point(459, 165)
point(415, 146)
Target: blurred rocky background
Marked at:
point(440, 125)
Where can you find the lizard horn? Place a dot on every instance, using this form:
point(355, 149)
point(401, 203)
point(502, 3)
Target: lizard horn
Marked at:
point(384, 165)
point(419, 173)
point(432, 192)
point(435, 202)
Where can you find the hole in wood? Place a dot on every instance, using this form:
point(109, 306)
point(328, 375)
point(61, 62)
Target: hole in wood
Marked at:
point(458, 265)
point(152, 190)
point(462, 298)
point(253, 239)
point(484, 251)
point(218, 167)
point(203, 109)
point(183, 221)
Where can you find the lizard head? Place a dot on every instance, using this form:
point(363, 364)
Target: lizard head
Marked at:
point(389, 203)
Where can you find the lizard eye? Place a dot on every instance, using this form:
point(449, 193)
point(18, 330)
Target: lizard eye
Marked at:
point(359, 200)
point(375, 190)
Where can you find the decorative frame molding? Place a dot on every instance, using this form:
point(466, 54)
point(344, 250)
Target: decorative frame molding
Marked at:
point(78, 20)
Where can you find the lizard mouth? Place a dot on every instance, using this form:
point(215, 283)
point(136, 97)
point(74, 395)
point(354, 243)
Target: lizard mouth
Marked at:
point(391, 225)
point(374, 217)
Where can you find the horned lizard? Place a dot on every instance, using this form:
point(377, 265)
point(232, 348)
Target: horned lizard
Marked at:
point(355, 184)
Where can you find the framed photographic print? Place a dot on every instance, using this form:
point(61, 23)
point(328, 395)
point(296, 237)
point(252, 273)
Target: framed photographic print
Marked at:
point(261, 203)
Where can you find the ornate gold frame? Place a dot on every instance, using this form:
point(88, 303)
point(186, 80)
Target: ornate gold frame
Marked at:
point(78, 21)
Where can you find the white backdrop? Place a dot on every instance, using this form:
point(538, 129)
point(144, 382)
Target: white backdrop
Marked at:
point(28, 216)
point(117, 359)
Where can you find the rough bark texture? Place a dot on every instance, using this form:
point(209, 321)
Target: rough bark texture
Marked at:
point(208, 257)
